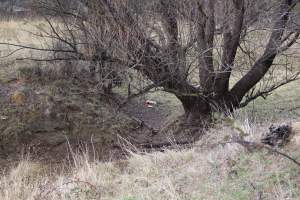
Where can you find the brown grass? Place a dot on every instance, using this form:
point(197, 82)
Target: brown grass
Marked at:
point(206, 171)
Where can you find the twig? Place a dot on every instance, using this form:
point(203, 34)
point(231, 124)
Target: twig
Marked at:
point(163, 144)
point(36, 48)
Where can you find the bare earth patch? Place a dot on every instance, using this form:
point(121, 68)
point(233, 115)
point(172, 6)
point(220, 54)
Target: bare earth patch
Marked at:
point(45, 119)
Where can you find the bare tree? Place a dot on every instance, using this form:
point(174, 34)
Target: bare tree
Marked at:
point(212, 55)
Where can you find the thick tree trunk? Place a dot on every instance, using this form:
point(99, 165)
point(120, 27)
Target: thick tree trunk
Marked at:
point(198, 111)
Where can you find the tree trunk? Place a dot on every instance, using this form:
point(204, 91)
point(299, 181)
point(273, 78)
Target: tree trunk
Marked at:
point(198, 111)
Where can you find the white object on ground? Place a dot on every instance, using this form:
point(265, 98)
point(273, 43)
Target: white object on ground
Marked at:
point(150, 104)
point(3, 117)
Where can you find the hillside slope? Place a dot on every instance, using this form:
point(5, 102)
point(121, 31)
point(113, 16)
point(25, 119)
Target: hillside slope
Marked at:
point(209, 169)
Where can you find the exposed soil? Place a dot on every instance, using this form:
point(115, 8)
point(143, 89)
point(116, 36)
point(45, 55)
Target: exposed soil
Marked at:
point(151, 117)
point(59, 118)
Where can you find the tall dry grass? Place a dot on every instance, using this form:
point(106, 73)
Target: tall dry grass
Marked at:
point(208, 170)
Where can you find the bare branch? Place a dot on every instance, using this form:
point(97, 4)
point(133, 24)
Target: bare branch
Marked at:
point(267, 91)
point(264, 63)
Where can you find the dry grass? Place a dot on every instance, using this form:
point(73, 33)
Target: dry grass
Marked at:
point(20, 31)
point(283, 103)
point(208, 170)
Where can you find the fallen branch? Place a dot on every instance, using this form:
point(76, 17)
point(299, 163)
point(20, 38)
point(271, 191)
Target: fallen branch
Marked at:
point(163, 144)
point(256, 146)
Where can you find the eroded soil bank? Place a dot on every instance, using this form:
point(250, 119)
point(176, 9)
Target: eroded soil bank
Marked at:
point(48, 120)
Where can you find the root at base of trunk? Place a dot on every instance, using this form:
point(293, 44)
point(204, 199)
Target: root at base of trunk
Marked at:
point(186, 128)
